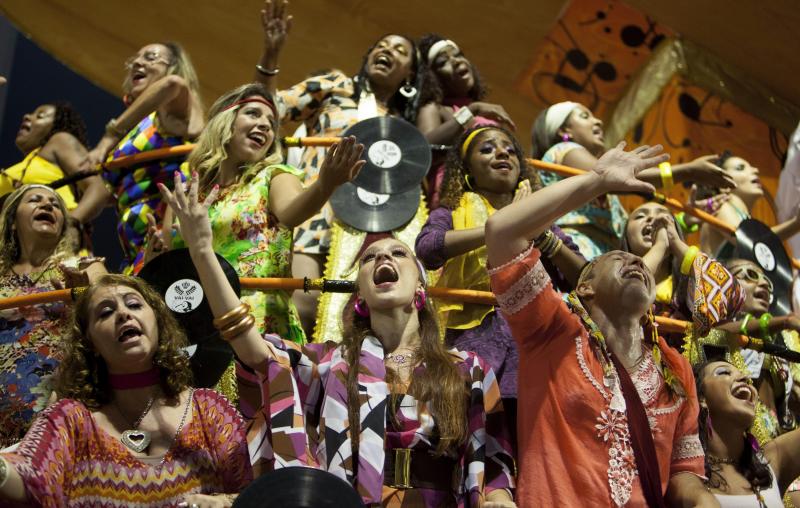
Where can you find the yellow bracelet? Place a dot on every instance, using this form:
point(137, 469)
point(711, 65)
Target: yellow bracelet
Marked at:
point(688, 259)
point(666, 176)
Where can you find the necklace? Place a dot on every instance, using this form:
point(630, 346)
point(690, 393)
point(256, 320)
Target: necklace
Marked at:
point(713, 459)
point(135, 439)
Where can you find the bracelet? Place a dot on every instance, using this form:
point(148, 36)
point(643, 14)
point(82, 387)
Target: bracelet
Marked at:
point(3, 472)
point(666, 176)
point(113, 129)
point(688, 259)
point(233, 331)
point(743, 328)
point(232, 316)
point(763, 324)
point(680, 218)
point(267, 72)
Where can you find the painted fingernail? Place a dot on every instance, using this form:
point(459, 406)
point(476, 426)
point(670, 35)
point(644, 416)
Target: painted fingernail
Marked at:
point(216, 186)
point(194, 174)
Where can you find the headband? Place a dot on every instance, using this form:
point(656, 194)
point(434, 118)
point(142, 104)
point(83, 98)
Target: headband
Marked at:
point(556, 116)
point(439, 46)
point(469, 140)
point(252, 98)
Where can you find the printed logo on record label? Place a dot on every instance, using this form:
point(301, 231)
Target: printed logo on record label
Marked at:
point(764, 256)
point(184, 295)
point(384, 154)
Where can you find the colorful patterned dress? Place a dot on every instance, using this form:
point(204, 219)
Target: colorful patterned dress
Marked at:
point(136, 188)
point(327, 106)
point(67, 460)
point(597, 226)
point(30, 339)
point(305, 423)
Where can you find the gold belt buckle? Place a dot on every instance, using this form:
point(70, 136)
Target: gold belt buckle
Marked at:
point(402, 468)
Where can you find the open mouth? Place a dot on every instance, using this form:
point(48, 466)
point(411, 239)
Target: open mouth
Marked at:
point(128, 332)
point(598, 132)
point(385, 275)
point(647, 233)
point(636, 273)
point(45, 216)
point(384, 61)
point(745, 392)
point(24, 128)
point(137, 76)
point(501, 166)
point(463, 71)
point(258, 137)
point(762, 294)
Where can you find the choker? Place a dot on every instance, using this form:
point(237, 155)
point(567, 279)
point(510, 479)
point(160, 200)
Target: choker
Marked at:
point(138, 380)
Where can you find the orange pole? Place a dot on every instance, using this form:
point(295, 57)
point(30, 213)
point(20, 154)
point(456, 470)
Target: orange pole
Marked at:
point(59, 295)
point(150, 155)
point(266, 283)
point(310, 141)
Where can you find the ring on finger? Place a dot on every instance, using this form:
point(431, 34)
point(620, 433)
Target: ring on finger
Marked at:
point(709, 204)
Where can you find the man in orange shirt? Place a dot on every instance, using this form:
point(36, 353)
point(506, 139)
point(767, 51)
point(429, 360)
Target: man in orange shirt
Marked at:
point(607, 411)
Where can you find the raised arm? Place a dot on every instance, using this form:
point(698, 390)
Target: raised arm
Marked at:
point(783, 457)
point(292, 204)
point(510, 230)
point(195, 229)
point(276, 23)
point(439, 125)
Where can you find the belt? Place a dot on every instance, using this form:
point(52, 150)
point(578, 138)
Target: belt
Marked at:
point(418, 469)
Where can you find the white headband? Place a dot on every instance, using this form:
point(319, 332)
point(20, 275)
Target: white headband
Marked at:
point(439, 46)
point(556, 115)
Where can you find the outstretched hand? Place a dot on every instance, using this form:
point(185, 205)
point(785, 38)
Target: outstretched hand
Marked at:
point(192, 215)
point(342, 163)
point(276, 23)
point(703, 171)
point(618, 169)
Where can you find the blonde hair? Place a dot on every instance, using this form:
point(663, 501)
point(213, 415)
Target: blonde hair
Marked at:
point(211, 148)
point(9, 253)
point(179, 65)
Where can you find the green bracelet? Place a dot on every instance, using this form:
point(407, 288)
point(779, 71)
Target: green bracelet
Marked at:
point(763, 323)
point(743, 328)
point(680, 218)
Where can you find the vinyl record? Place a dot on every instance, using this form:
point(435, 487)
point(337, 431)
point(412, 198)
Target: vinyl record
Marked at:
point(373, 213)
point(298, 487)
point(756, 242)
point(174, 276)
point(398, 155)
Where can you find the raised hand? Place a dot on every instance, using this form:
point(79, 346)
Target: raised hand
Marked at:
point(192, 215)
point(342, 163)
point(618, 169)
point(710, 205)
point(523, 191)
point(703, 171)
point(276, 23)
point(493, 112)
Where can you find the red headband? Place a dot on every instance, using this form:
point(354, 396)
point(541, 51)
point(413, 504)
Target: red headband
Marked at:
point(253, 98)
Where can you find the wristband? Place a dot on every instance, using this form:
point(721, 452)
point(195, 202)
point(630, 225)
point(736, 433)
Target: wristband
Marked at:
point(267, 72)
point(112, 129)
point(463, 116)
point(763, 324)
point(688, 259)
point(666, 176)
point(743, 328)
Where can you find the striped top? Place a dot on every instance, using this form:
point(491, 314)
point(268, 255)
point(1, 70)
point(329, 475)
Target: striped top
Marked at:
point(67, 460)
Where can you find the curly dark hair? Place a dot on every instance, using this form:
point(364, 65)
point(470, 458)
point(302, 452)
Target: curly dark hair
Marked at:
point(83, 375)
point(67, 119)
point(407, 107)
point(457, 169)
point(752, 463)
point(432, 90)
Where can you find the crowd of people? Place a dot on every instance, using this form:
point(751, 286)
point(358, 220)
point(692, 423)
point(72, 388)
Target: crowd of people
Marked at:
point(563, 393)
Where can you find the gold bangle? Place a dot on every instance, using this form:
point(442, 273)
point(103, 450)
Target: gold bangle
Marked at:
point(232, 316)
point(230, 333)
point(666, 176)
point(3, 472)
point(688, 259)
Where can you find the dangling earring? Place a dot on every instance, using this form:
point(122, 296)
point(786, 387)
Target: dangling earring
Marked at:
point(420, 297)
point(566, 137)
point(408, 90)
point(361, 307)
point(709, 429)
point(467, 182)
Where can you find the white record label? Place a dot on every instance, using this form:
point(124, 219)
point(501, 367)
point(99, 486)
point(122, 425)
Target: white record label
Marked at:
point(385, 154)
point(184, 295)
point(764, 256)
point(371, 198)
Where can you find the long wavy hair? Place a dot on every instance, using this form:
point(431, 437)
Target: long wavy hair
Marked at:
point(83, 375)
point(752, 464)
point(212, 145)
point(440, 385)
point(9, 254)
point(179, 65)
point(458, 172)
point(432, 90)
point(407, 107)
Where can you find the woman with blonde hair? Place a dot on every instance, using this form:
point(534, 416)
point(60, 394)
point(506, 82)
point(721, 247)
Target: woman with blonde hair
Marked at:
point(164, 110)
point(35, 255)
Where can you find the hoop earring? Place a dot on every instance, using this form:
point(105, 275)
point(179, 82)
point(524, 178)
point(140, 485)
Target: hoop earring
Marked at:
point(361, 307)
point(408, 90)
point(420, 297)
point(566, 137)
point(467, 182)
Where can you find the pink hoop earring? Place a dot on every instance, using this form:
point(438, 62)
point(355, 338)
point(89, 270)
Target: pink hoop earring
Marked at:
point(420, 297)
point(566, 137)
point(361, 308)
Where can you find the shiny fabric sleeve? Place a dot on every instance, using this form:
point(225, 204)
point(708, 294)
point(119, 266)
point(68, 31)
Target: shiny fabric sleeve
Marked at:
point(488, 462)
point(429, 245)
point(713, 295)
point(45, 456)
point(534, 310)
point(304, 99)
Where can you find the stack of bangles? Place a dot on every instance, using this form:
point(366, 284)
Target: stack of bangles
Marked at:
point(235, 322)
point(548, 243)
point(763, 324)
point(680, 218)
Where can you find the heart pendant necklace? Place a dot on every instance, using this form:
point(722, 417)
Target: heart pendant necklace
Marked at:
point(135, 439)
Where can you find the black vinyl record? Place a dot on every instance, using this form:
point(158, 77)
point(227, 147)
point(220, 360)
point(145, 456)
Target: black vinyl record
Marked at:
point(373, 213)
point(298, 487)
point(174, 276)
point(398, 155)
point(756, 242)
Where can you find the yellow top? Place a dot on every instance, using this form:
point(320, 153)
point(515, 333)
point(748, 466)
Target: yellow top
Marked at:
point(35, 169)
